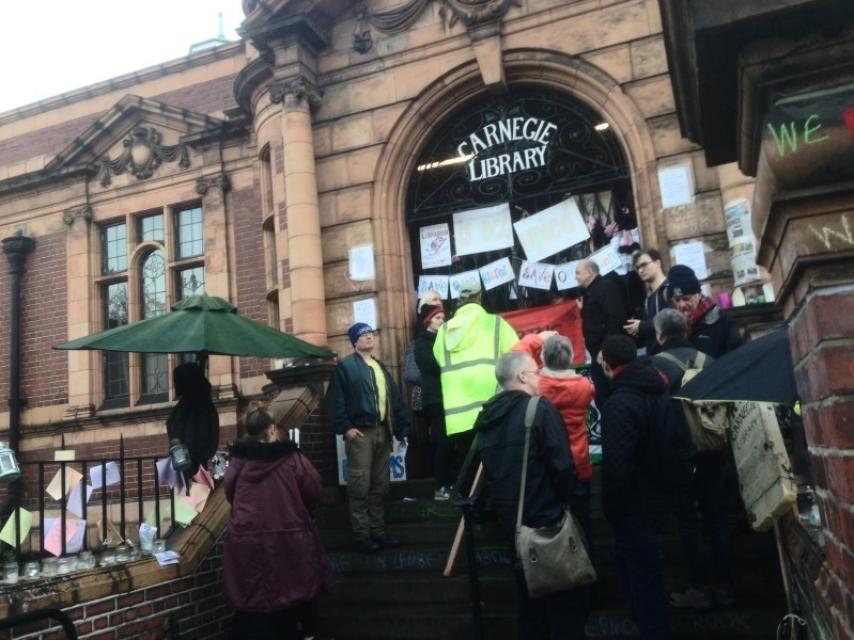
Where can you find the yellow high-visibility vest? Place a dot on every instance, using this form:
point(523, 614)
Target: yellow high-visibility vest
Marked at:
point(466, 349)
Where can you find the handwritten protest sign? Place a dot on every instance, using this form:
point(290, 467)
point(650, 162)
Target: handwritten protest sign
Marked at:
point(552, 230)
point(537, 275)
point(608, 259)
point(481, 230)
point(53, 537)
point(396, 461)
point(457, 280)
point(496, 273)
point(435, 246)
point(439, 284)
point(565, 276)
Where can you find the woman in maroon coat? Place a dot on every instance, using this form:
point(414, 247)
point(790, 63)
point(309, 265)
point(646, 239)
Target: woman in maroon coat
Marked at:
point(274, 565)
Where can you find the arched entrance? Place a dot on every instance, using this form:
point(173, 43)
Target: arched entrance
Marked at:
point(418, 125)
point(498, 160)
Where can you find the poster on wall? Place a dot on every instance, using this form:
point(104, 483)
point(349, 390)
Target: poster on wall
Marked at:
point(565, 276)
point(435, 246)
point(739, 227)
point(427, 283)
point(457, 280)
point(365, 311)
point(552, 230)
point(691, 254)
point(537, 275)
point(362, 262)
point(743, 263)
point(496, 273)
point(676, 184)
point(396, 461)
point(481, 230)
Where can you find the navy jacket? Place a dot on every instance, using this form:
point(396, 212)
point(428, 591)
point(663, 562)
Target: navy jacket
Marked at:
point(351, 400)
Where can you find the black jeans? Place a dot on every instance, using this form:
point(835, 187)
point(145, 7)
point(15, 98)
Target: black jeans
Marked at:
point(638, 563)
point(557, 616)
point(442, 464)
point(684, 502)
point(711, 496)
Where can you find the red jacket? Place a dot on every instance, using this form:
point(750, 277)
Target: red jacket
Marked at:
point(572, 395)
point(272, 554)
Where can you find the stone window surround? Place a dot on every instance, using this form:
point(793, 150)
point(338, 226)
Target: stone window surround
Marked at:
point(138, 251)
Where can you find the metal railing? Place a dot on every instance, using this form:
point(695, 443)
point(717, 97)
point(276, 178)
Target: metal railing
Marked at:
point(138, 484)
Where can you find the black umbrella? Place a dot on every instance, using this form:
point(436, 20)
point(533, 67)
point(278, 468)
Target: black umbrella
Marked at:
point(760, 371)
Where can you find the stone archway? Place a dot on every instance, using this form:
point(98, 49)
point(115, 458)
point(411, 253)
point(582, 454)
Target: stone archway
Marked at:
point(415, 127)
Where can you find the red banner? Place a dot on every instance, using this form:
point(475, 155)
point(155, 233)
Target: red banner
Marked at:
point(565, 318)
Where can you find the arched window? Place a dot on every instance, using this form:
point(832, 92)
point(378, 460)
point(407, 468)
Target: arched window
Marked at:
point(153, 302)
point(524, 151)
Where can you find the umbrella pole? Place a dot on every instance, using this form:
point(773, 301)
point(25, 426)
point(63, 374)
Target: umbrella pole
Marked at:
point(202, 359)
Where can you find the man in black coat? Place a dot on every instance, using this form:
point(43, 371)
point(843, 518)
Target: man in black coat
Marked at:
point(708, 486)
point(500, 432)
point(628, 487)
point(604, 310)
point(709, 330)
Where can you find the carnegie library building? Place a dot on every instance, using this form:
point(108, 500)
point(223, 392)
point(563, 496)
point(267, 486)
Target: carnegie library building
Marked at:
point(315, 174)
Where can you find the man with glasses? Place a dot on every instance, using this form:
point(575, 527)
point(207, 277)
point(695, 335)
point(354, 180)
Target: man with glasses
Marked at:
point(365, 406)
point(550, 482)
point(647, 264)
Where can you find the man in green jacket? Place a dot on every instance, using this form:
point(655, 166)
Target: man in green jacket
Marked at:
point(365, 406)
point(466, 349)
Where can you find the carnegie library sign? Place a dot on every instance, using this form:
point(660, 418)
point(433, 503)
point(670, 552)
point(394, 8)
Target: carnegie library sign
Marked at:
point(509, 130)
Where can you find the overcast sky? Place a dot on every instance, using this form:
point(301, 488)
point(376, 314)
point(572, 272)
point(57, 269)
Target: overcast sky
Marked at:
point(49, 47)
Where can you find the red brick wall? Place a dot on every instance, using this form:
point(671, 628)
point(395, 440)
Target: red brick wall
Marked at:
point(205, 97)
point(194, 606)
point(44, 371)
point(250, 265)
point(824, 368)
point(47, 141)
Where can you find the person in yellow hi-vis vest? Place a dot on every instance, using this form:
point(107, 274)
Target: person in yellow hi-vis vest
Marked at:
point(466, 349)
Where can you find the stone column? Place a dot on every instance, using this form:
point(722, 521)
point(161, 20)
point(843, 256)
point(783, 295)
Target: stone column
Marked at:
point(212, 188)
point(308, 300)
point(83, 366)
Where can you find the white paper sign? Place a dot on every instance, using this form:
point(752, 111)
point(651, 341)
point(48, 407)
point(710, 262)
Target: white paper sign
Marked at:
point(457, 280)
point(74, 532)
point(439, 284)
point(95, 475)
point(676, 184)
point(480, 230)
point(739, 226)
point(537, 275)
point(72, 478)
point(496, 273)
point(565, 275)
point(608, 259)
point(73, 504)
point(691, 254)
point(362, 262)
point(365, 311)
point(552, 230)
point(396, 461)
point(435, 246)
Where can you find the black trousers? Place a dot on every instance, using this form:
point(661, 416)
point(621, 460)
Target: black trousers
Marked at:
point(288, 624)
point(557, 616)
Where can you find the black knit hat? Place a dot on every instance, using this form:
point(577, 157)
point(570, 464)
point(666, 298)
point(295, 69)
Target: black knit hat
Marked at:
point(427, 312)
point(682, 281)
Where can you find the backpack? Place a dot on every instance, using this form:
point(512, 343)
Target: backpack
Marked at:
point(707, 421)
point(411, 372)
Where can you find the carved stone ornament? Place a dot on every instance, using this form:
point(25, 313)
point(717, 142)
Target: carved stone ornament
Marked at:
point(143, 154)
point(219, 181)
point(474, 12)
point(300, 87)
point(470, 12)
point(83, 212)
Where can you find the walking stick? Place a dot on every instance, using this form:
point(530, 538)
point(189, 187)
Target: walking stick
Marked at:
point(458, 538)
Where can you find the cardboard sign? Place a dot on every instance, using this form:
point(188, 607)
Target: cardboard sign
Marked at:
point(537, 275)
point(457, 280)
point(565, 276)
point(396, 461)
point(439, 284)
point(481, 230)
point(765, 475)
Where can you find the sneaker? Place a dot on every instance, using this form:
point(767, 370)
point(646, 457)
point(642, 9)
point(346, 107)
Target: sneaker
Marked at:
point(723, 595)
point(691, 598)
point(442, 493)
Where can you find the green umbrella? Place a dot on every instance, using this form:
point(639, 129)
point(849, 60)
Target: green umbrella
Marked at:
point(204, 325)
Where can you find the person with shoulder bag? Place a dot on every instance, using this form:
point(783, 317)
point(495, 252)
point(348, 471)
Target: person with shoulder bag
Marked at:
point(530, 476)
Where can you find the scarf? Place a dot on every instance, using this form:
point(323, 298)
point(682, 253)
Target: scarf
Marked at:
point(705, 305)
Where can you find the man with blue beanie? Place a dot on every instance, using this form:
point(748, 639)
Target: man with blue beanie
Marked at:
point(365, 406)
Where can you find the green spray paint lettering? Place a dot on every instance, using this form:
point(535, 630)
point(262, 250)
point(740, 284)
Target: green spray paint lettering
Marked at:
point(786, 135)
